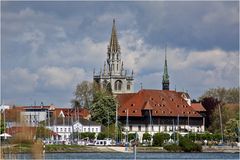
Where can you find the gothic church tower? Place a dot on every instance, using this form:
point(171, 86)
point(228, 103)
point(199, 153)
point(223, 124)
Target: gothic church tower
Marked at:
point(113, 76)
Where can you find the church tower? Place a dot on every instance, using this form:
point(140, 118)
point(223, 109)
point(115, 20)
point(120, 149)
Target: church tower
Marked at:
point(165, 80)
point(114, 77)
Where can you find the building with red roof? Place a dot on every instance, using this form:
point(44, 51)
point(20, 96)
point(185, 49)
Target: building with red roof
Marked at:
point(159, 111)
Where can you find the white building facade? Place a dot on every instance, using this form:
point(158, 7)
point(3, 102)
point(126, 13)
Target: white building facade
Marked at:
point(63, 130)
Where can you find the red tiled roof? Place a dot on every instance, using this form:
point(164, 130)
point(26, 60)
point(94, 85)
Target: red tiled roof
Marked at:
point(198, 107)
point(69, 112)
point(161, 102)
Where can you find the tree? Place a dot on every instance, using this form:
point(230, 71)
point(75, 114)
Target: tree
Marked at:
point(227, 113)
point(42, 132)
point(159, 138)
point(2, 126)
point(189, 146)
point(103, 109)
point(147, 137)
point(131, 136)
point(231, 130)
point(209, 103)
point(223, 95)
point(83, 95)
point(101, 135)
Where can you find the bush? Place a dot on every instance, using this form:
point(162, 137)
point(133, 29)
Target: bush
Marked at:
point(159, 138)
point(131, 136)
point(147, 137)
point(189, 146)
point(101, 135)
point(172, 148)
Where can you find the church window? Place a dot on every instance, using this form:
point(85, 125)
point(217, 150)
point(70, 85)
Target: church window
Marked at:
point(128, 86)
point(117, 67)
point(118, 85)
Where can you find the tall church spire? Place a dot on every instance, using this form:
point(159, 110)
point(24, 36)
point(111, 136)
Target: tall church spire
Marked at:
point(165, 80)
point(114, 46)
point(113, 72)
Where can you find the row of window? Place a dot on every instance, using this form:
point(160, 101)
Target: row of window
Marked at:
point(69, 129)
point(166, 128)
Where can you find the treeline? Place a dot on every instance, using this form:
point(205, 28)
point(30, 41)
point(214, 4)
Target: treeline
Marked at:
point(224, 103)
point(223, 95)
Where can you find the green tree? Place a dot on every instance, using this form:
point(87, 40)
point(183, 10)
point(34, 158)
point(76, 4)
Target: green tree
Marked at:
point(101, 135)
point(42, 132)
point(223, 95)
point(189, 146)
point(159, 138)
point(2, 126)
point(131, 136)
point(215, 118)
point(176, 135)
point(147, 137)
point(103, 109)
point(83, 95)
point(231, 130)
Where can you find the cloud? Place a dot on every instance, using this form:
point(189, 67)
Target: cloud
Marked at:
point(35, 38)
point(60, 78)
point(53, 46)
point(19, 80)
point(191, 70)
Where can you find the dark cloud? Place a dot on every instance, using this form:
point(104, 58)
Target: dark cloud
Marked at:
point(49, 47)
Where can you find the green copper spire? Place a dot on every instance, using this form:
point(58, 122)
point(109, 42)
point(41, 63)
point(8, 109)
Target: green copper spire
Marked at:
point(165, 80)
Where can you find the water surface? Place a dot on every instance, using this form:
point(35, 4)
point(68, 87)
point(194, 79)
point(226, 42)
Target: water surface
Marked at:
point(131, 156)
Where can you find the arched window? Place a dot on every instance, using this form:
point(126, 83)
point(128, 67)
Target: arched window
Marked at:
point(128, 85)
point(118, 85)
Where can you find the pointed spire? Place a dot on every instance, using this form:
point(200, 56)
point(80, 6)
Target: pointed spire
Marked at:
point(104, 69)
point(113, 46)
point(165, 80)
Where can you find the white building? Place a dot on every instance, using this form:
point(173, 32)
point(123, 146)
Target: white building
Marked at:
point(64, 127)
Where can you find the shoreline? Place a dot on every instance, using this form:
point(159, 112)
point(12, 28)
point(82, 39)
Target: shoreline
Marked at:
point(114, 149)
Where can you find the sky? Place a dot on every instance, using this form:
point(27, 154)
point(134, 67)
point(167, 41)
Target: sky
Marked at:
point(47, 48)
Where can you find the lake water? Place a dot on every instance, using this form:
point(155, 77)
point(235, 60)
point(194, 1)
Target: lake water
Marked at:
point(131, 156)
